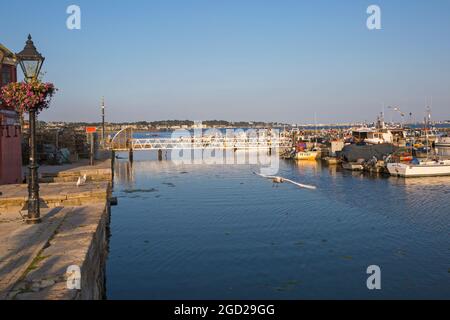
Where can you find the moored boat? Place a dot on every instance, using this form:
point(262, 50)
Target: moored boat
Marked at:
point(353, 166)
point(306, 155)
point(426, 168)
point(443, 142)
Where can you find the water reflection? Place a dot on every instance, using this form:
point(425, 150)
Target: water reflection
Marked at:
point(124, 173)
point(422, 182)
point(308, 166)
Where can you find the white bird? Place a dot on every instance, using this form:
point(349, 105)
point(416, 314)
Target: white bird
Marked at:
point(81, 180)
point(276, 179)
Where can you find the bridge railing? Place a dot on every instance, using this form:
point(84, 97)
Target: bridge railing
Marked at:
point(123, 140)
point(209, 143)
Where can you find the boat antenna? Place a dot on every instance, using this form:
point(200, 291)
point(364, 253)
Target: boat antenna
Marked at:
point(315, 122)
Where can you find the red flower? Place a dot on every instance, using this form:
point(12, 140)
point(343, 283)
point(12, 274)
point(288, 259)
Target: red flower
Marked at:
point(24, 97)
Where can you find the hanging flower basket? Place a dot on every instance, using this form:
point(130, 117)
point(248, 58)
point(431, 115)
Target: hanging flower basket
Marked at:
point(23, 97)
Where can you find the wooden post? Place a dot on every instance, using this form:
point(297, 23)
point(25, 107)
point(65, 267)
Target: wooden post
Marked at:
point(160, 155)
point(130, 154)
point(92, 150)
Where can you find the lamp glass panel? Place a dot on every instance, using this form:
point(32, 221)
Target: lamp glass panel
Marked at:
point(30, 68)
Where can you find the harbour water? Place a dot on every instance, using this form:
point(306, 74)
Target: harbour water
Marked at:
point(221, 232)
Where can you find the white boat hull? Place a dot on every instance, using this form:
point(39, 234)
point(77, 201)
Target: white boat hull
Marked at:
point(375, 141)
point(353, 166)
point(446, 145)
point(443, 142)
point(420, 170)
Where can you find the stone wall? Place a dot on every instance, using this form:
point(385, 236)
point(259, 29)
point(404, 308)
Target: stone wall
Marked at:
point(93, 271)
point(81, 240)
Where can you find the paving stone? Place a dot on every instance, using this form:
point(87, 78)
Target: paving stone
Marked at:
point(39, 255)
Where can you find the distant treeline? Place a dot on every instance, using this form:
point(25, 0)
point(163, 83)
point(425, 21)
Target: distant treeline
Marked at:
point(172, 123)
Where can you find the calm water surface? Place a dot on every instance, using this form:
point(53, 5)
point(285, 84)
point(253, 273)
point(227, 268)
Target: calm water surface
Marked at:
point(220, 232)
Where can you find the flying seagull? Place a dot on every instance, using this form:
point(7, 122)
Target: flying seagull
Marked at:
point(276, 179)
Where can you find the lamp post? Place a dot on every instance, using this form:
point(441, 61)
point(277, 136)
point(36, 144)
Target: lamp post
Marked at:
point(103, 122)
point(31, 63)
point(396, 109)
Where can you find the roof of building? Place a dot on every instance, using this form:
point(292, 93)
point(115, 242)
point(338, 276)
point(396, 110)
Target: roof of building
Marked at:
point(10, 57)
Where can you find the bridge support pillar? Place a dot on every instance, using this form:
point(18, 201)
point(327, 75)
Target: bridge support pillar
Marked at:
point(130, 155)
point(160, 155)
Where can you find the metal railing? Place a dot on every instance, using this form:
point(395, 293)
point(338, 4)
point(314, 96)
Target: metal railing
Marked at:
point(124, 141)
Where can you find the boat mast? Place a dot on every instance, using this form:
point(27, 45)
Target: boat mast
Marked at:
point(427, 125)
point(315, 129)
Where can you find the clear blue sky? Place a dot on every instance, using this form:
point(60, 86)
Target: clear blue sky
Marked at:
point(265, 60)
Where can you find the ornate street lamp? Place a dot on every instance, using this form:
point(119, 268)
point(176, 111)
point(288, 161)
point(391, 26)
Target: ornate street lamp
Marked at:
point(30, 60)
point(31, 63)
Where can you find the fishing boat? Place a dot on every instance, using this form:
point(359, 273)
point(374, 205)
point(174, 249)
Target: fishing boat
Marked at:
point(421, 168)
point(353, 166)
point(304, 150)
point(379, 137)
point(427, 168)
point(306, 155)
point(379, 134)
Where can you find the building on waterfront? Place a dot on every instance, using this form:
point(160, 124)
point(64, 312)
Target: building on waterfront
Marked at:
point(10, 132)
point(8, 66)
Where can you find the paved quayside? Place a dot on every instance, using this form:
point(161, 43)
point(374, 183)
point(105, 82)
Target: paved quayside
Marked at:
point(74, 232)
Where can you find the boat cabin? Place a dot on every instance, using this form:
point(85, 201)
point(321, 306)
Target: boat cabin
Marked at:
point(372, 135)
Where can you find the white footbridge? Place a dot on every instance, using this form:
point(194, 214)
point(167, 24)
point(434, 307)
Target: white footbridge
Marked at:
point(250, 140)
